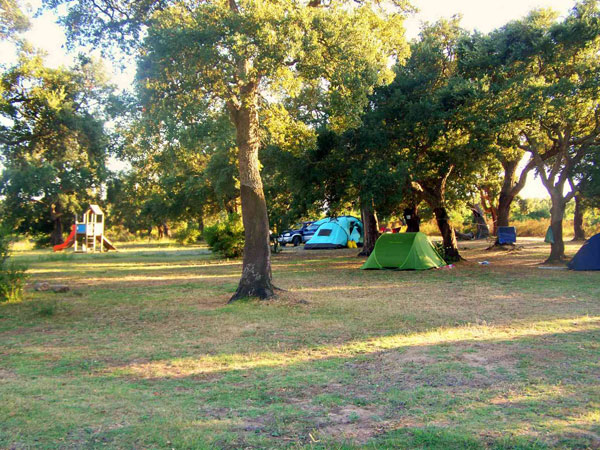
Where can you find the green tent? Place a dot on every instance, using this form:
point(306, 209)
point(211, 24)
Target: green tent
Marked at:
point(403, 251)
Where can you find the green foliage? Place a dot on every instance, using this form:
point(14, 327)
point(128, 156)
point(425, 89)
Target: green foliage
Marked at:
point(588, 174)
point(226, 237)
point(188, 235)
point(12, 276)
point(119, 233)
point(530, 208)
point(53, 145)
point(41, 240)
point(442, 251)
point(542, 85)
point(12, 19)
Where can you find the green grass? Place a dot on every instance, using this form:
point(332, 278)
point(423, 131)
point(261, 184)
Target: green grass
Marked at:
point(145, 352)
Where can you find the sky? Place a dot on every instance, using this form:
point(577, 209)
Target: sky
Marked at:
point(481, 15)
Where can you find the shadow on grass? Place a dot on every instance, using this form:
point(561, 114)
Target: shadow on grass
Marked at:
point(472, 393)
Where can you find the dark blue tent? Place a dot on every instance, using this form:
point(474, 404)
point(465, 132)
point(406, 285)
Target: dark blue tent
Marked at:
point(588, 256)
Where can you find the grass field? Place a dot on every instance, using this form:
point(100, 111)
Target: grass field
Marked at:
point(144, 352)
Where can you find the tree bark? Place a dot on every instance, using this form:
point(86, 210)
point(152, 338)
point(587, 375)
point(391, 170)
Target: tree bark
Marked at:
point(510, 189)
point(579, 232)
point(256, 268)
point(412, 219)
point(487, 204)
point(434, 191)
point(504, 203)
point(447, 231)
point(371, 228)
point(557, 249)
point(56, 237)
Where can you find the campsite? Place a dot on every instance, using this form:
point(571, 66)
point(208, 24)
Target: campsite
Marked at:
point(500, 356)
point(300, 224)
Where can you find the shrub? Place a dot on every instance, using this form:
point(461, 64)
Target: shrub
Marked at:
point(226, 237)
point(41, 241)
point(118, 233)
point(430, 228)
point(188, 235)
point(439, 247)
point(12, 276)
point(537, 228)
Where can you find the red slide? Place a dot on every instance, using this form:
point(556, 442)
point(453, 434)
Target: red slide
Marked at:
point(68, 243)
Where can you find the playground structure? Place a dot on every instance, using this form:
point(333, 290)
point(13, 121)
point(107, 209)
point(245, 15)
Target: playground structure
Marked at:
point(88, 235)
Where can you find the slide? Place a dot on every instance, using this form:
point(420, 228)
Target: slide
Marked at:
point(68, 243)
point(106, 243)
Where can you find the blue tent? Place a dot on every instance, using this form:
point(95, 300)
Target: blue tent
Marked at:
point(588, 256)
point(336, 232)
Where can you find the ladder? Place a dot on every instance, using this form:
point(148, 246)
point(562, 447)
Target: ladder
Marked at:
point(90, 242)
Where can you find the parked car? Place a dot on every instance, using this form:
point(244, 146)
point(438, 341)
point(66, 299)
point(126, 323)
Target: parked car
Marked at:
point(301, 233)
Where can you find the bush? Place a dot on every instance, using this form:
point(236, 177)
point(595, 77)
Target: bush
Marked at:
point(41, 241)
point(12, 277)
point(188, 235)
point(118, 233)
point(538, 228)
point(226, 238)
point(439, 247)
point(430, 228)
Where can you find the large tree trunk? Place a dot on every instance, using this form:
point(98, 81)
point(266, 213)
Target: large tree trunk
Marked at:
point(256, 269)
point(201, 224)
point(579, 232)
point(434, 192)
point(557, 212)
point(504, 204)
point(447, 231)
point(510, 189)
point(412, 219)
point(508, 192)
point(371, 228)
point(56, 237)
point(487, 202)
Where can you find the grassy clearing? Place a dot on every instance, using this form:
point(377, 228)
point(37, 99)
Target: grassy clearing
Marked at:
point(144, 352)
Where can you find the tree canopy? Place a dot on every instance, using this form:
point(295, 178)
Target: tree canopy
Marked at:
point(53, 145)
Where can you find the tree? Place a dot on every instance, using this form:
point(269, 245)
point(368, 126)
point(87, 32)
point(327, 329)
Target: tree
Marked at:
point(52, 142)
point(426, 114)
point(181, 164)
point(245, 56)
point(543, 84)
point(495, 62)
point(588, 178)
point(561, 107)
point(12, 19)
point(578, 231)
